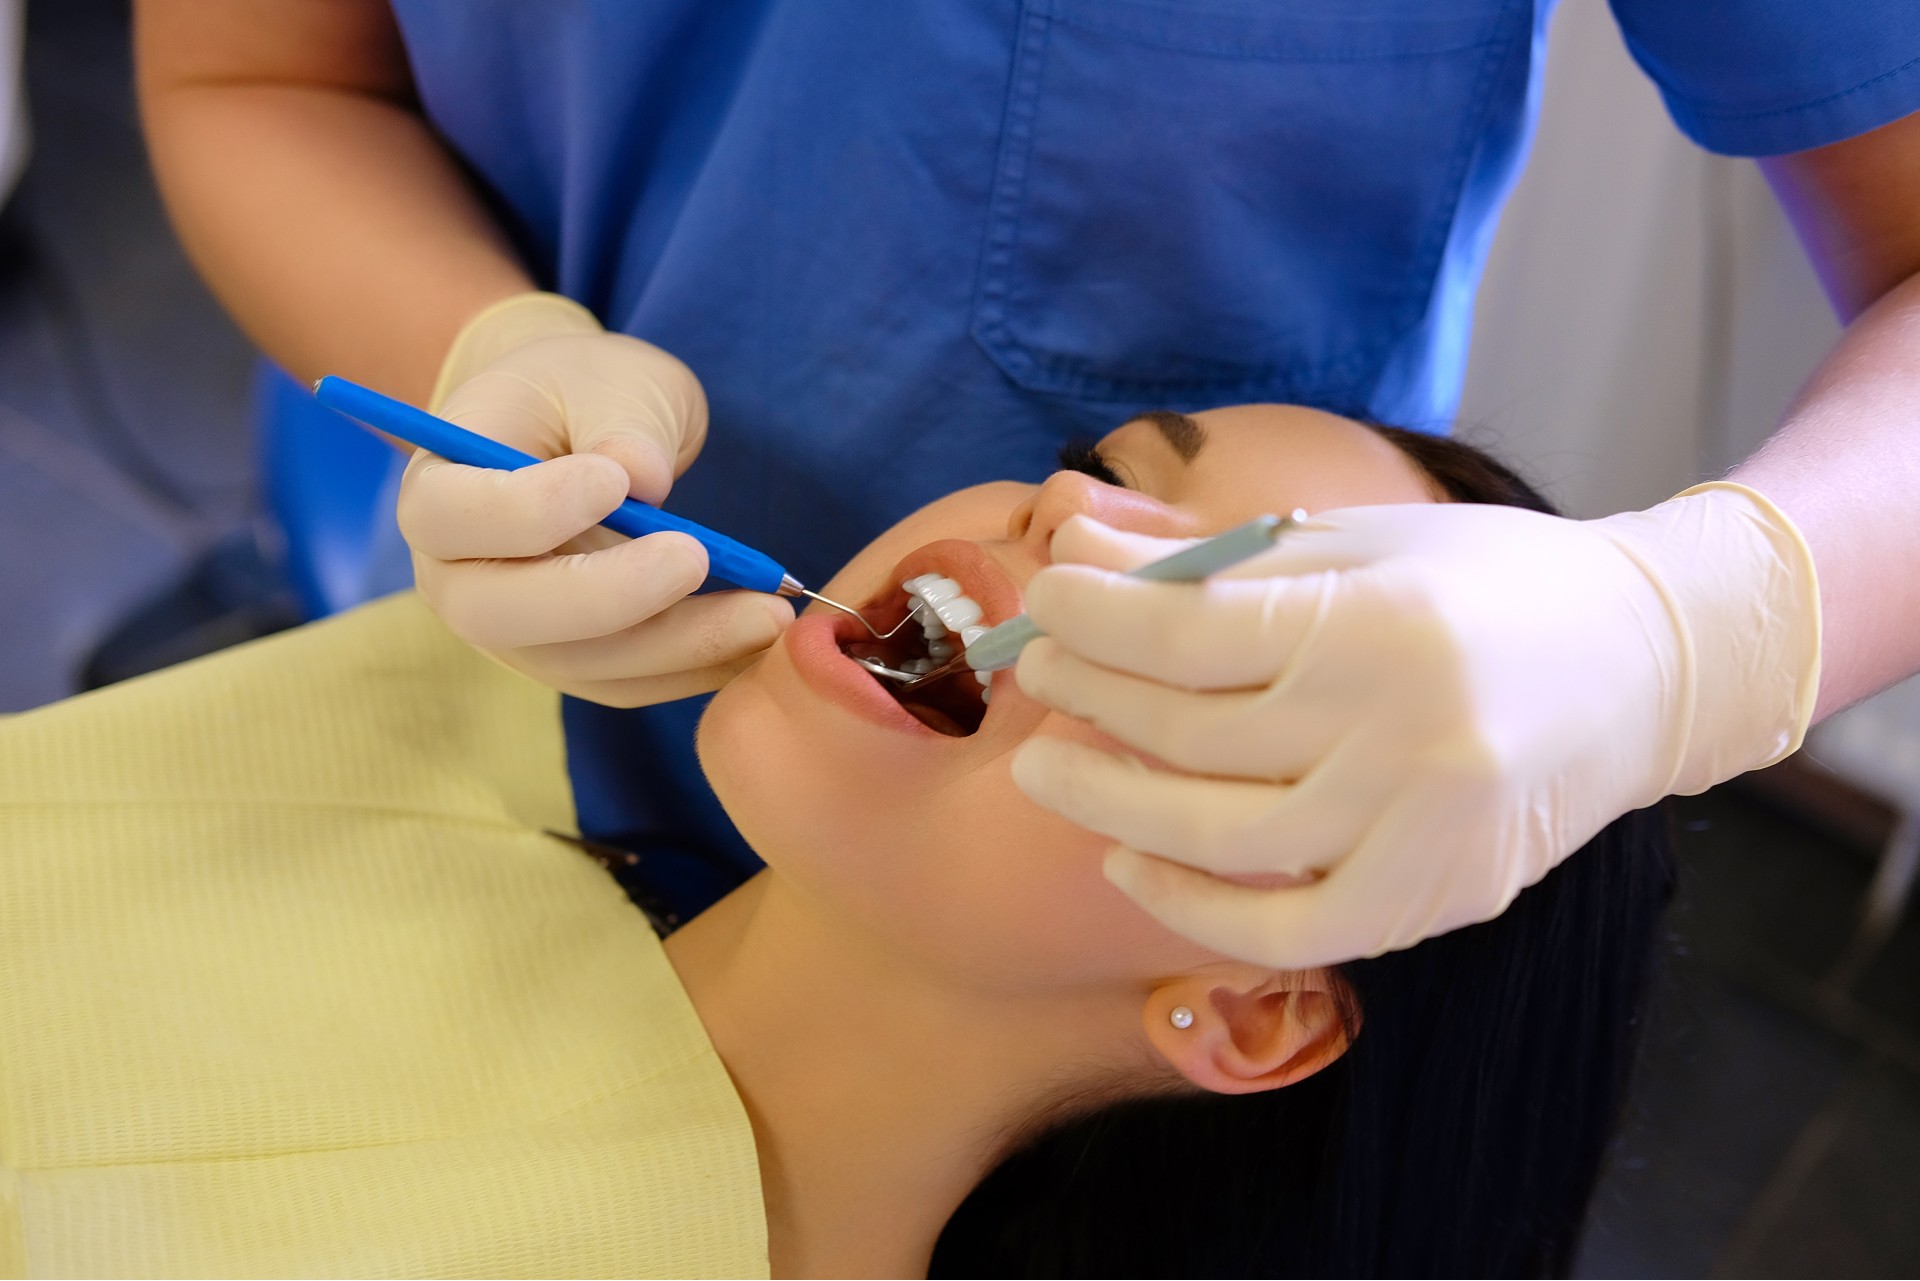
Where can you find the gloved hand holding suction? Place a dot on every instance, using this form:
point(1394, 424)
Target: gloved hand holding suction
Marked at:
point(1400, 717)
point(512, 561)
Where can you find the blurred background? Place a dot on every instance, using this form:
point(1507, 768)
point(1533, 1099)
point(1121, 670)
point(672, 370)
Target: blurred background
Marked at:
point(1646, 317)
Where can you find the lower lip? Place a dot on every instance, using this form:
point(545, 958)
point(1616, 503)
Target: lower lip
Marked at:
point(814, 647)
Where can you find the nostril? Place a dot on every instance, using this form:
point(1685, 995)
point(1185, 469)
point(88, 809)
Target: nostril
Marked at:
point(1022, 518)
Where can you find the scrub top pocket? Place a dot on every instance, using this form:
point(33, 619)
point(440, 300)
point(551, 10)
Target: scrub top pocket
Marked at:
point(1235, 199)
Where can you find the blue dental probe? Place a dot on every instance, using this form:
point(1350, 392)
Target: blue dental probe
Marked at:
point(727, 559)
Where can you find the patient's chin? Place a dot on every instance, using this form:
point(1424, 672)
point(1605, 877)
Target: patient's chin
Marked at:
point(719, 740)
point(767, 773)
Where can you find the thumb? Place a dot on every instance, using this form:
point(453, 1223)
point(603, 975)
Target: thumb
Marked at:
point(1348, 538)
point(638, 405)
point(511, 409)
point(1082, 540)
point(1342, 539)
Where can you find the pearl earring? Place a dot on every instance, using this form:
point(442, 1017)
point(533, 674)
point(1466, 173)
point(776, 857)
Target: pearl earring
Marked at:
point(1182, 1017)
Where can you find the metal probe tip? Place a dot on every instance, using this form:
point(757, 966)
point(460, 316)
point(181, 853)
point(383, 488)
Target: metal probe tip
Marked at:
point(791, 586)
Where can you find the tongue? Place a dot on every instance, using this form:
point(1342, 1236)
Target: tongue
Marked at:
point(923, 704)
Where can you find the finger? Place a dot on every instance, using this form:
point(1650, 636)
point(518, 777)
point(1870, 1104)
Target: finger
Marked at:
point(597, 538)
point(605, 408)
point(664, 398)
point(1082, 540)
point(1217, 825)
point(1339, 539)
point(1368, 904)
point(1233, 733)
point(1212, 635)
point(512, 409)
point(696, 633)
point(509, 604)
point(647, 691)
point(1349, 538)
point(451, 512)
point(1291, 928)
point(648, 413)
point(646, 461)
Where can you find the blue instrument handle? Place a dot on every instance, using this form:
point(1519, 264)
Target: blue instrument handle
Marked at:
point(727, 559)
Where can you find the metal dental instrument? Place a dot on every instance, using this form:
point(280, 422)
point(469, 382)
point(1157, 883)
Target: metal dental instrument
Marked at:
point(727, 559)
point(1000, 647)
point(879, 668)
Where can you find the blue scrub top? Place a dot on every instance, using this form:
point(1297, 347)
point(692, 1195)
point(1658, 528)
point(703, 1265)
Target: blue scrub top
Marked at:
point(909, 247)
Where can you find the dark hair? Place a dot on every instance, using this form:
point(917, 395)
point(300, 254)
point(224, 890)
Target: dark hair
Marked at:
point(1460, 1135)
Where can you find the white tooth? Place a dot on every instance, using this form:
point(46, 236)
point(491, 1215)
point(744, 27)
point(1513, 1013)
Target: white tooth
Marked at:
point(968, 635)
point(915, 583)
point(961, 611)
point(918, 666)
point(940, 650)
point(986, 695)
point(929, 622)
point(985, 678)
point(939, 590)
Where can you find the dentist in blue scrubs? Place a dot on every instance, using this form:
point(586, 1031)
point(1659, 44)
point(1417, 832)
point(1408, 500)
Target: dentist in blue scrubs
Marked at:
point(799, 266)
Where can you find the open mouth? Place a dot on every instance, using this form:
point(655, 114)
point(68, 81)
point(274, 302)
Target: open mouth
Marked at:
point(940, 618)
point(954, 705)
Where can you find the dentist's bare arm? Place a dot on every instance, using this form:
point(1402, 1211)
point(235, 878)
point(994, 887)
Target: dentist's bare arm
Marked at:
point(1845, 463)
point(308, 189)
point(333, 223)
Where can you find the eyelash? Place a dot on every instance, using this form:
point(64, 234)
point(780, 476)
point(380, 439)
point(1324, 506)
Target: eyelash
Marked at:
point(1084, 457)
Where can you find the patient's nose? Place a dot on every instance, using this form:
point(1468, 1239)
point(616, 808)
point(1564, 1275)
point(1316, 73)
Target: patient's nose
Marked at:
point(1067, 494)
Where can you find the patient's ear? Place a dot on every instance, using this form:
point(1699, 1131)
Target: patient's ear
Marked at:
point(1248, 1029)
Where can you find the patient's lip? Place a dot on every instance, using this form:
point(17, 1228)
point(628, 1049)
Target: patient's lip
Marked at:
point(968, 564)
point(815, 639)
point(813, 644)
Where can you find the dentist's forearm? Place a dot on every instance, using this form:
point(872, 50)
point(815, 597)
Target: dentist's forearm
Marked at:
point(1845, 461)
point(1845, 465)
point(312, 196)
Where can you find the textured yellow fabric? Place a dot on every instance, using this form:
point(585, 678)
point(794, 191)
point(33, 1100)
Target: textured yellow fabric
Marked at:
point(291, 984)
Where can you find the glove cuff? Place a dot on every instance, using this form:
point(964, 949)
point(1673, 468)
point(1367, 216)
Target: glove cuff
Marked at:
point(511, 322)
point(1739, 583)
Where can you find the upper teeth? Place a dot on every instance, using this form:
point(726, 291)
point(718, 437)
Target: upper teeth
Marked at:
point(941, 608)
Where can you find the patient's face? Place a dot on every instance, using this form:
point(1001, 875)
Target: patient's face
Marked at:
point(908, 824)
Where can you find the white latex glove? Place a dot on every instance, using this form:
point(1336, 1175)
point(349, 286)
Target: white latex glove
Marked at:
point(514, 561)
point(1403, 716)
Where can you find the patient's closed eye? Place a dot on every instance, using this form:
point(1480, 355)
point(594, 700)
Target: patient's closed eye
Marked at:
point(1084, 456)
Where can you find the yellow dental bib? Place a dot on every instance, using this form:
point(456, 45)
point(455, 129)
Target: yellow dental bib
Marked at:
point(292, 984)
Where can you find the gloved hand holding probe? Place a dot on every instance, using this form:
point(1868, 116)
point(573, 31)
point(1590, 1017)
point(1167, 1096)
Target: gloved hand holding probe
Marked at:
point(512, 561)
point(1400, 717)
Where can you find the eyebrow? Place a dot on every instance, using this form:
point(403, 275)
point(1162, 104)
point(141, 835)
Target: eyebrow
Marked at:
point(1185, 436)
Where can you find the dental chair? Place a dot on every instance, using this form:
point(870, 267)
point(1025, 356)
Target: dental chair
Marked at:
point(324, 541)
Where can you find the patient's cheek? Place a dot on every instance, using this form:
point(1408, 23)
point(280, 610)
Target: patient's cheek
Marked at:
point(966, 873)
